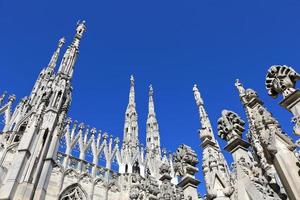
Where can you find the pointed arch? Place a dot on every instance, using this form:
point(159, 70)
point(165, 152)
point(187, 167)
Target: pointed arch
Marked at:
point(73, 192)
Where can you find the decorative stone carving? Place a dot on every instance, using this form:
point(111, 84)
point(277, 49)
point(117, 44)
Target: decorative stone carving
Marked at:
point(185, 161)
point(281, 79)
point(113, 184)
point(165, 169)
point(230, 126)
point(135, 193)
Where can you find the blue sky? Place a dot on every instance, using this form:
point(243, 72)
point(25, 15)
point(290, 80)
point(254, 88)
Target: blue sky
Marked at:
point(171, 44)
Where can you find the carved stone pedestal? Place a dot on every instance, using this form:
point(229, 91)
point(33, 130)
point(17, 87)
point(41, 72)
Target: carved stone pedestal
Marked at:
point(189, 185)
point(292, 104)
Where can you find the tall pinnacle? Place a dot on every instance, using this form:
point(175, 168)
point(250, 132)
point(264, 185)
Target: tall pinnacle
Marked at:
point(131, 93)
point(152, 130)
point(151, 111)
point(54, 58)
point(214, 165)
point(67, 65)
point(131, 126)
point(206, 130)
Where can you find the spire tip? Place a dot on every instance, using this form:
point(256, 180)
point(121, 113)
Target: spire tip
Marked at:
point(240, 87)
point(197, 95)
point(150, 90)
point(132, 80)
point(61, 42)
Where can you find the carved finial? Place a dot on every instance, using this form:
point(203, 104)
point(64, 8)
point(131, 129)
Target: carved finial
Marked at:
point(105, 136)
point(165, 169)
point(117, 140)
point(185, 161)
point(2, 97)
point(81, 126)
point(69, 121)
point(11, 98)
point(230, 126)
point(93, 131)
point(281, 79)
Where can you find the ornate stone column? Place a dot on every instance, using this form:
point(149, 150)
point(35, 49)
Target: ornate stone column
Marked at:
point(249, 181)
point(275, 145)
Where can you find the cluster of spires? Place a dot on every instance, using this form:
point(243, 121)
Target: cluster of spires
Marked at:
point(211, 149)
point(130, 138)
point(70, 56)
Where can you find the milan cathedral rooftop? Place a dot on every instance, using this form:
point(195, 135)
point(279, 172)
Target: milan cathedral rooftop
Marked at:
point(45, 154)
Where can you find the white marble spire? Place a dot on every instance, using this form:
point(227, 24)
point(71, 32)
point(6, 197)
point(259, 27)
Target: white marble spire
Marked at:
point(131, 126)
point(206, 128)
point(152, 129)
point(131, 103)
point(54, 58)
point(67, 64)
point(214, 165)
point(151, 111)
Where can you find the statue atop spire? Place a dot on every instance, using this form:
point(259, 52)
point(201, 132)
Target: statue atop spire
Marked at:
point(131, 125)
point(240, 87)
point(215, 168)
point(206, 130)
point(197, 96)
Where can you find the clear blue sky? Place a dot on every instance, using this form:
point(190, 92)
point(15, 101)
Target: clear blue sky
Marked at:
point(171, 44)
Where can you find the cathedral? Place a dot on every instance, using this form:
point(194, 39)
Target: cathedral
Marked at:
point(44, 154)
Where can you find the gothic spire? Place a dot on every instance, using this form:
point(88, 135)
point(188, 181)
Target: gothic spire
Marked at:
point(214, 165)
point(206, 129)
point(131, 93)
point(153, 138)
point(70, 56)
point(131, 126)
point(54, 58)
point(151, 112)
